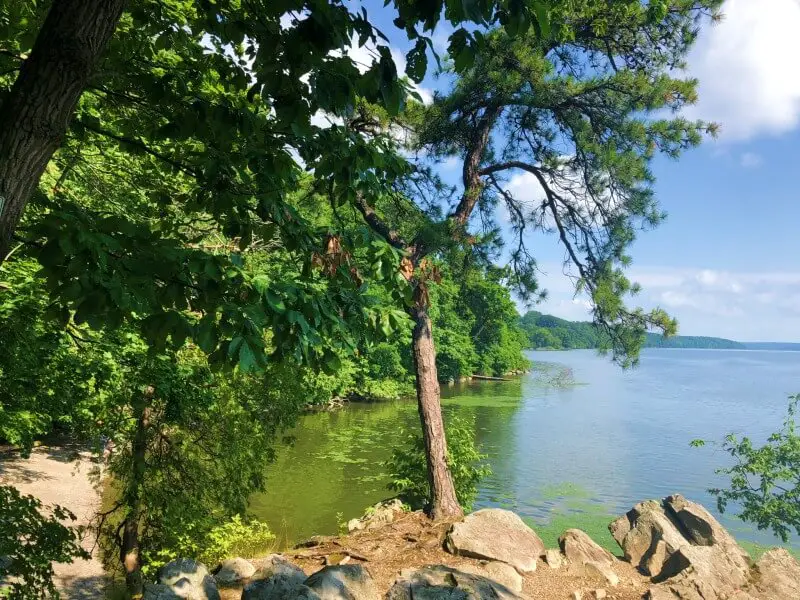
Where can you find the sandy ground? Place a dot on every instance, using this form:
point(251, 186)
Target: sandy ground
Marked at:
point(61, 475)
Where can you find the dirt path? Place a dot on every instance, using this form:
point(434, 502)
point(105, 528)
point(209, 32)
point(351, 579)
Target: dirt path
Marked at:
point(61, 475)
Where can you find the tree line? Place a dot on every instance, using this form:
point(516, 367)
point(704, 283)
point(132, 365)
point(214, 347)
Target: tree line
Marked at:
point(183, 237)
point(552, 333)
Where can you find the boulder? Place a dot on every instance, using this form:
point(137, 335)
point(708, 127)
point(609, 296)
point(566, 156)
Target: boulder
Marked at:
point(502, 573)
point(275, 564)
point(343, 582)
point(439, 582)
point(579, 548)
point(278, 587)
point(496, 534)
point(376, 516)
point(157, 591)
point(601, 570)
point(688, 554)
point(233, 571)
point(777, 576)
point(188, 579)
point(553, 558)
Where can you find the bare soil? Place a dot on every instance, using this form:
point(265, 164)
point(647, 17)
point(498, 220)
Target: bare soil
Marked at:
point(413, 541)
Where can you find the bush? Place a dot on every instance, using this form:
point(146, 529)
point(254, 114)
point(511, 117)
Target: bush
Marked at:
point(231, 539)
point(408, 470)
point(237, 538)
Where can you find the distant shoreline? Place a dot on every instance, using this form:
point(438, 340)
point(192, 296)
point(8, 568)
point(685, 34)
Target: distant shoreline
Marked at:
point(674, 348)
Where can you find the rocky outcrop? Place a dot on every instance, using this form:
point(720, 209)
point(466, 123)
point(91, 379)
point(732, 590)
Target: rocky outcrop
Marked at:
point(157, 591)
point(188, 579)
point(439, 582)
point(502, 573)
point(687, 553)
point(776, 576)
point(275, 564)
point(377, 516)
point(343, 582)
point(553, 558)
point(233, 571)
point(278, 587)
point(587, 557)
point(496, 534)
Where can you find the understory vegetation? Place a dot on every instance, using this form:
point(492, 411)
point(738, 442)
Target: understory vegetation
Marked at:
point(408, 475)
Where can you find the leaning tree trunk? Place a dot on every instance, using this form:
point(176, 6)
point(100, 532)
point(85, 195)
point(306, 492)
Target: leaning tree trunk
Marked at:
point(35, 115)
point(129, 552)
point(444, 504)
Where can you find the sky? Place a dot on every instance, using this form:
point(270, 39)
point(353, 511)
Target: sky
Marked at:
point(726, 262)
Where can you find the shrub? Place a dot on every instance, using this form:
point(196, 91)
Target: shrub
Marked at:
point(237, 538)
point(233, 538)
point(408, 471)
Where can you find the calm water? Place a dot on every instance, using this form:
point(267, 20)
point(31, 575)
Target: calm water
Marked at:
point(613, 439)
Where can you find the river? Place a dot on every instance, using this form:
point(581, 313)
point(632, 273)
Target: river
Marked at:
point(561, 455)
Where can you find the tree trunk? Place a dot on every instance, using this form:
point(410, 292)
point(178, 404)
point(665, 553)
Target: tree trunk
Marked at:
point(443, 501)
point(35, 115)
point(129, 552)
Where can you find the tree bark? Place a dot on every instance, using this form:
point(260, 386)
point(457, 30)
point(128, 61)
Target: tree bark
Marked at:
point(444, 504)
point(35, 115)
point(129, 551)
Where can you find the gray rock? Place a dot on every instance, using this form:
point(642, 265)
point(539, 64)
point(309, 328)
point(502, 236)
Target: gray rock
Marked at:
point(234, 570)
point(157, 591)
point(553, 558)
point(601, 570)
point(689, 555)
point(777, 576)
point(439, 582)
point(502, 573)
point(496, 534)
point(343, 582)
point(279, 587)
point(579, 548)
point(188, 579)
point(275, 564)
point(377, 516)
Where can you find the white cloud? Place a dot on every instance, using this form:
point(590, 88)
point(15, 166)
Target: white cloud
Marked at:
point(745, 306)
point(750, 160)
point(746, 66)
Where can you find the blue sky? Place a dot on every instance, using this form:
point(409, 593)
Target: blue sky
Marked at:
point(727, 260)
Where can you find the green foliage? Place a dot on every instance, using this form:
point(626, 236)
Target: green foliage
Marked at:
point(583, 112)
point(408, 472)
point(765, 480)
point(546, 331)
point(691, 341)
point(183, 155)
point(549, 332)
point(233, 538)
point(32, 537)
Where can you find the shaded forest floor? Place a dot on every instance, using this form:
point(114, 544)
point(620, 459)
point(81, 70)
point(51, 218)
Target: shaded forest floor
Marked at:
point(63, 475)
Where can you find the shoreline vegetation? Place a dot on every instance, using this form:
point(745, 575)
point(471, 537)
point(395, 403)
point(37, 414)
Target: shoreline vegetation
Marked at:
point(547, 332)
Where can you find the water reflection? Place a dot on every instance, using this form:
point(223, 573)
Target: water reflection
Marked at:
point(592, 448)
